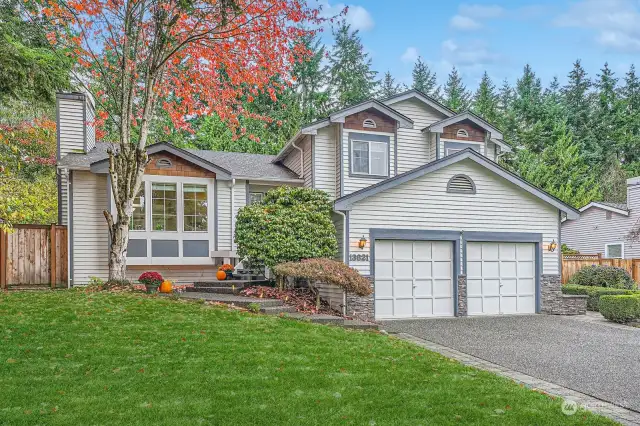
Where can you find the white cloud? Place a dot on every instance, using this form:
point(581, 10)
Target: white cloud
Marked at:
point(357, 16)
point(469, 54)
point(464, 23)
point(410, 55)
point(615, 22)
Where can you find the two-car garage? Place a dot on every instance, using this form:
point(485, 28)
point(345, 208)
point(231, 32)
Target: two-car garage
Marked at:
point(418, 278)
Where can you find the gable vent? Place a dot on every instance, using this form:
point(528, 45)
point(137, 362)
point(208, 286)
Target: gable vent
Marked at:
point(462, 133)
point(369, 124)
point(164, 163)
point(461, 184)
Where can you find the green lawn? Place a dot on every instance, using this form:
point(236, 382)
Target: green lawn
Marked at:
point(68, 357)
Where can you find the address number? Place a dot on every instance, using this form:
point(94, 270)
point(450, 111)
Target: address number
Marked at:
point(359, 257)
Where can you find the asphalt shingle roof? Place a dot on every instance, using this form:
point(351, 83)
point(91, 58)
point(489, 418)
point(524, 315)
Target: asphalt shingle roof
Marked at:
point(620, 206)
point(255, 166)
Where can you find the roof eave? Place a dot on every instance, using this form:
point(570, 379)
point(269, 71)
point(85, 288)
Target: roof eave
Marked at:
point(604, 207)
point(438, 126)
point(413, 93)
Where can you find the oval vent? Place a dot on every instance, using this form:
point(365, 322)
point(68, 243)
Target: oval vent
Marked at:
point(369, 124)
point(462, 133)
point(461, 184)
point(164, 163)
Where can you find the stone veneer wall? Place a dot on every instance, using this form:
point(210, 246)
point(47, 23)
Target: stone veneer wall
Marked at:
point(555, 303)
point(462, 295)
point(361, 307)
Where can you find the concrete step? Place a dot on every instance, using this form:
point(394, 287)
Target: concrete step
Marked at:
point(217, 290)
point(231, 299)
point(276, 310)
point(228, 283)
point(360, 325)
point(28, 287)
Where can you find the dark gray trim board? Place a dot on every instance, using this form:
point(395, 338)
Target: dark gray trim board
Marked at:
point(422, 235)
point(247, 193)
point(58, 124)
point(437, 146)
point(215, 214)
point(395, 151)
point(559, 248)
point(346, 242)
point(510, 237)
point(313, 161)
point(341, 158)
point(84, 124)
point(346, 202)
point(102, 166)
point(368, 137)
point(59, 185)
point(70, 224)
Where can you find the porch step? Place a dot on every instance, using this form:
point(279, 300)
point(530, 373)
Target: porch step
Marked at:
point(360, 325)
point(231, 299)
point(239, 283)
point(276, 310)
point(211, 289)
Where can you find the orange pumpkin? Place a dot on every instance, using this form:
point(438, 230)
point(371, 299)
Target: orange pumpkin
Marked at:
point(166, 286)
point(221, 275)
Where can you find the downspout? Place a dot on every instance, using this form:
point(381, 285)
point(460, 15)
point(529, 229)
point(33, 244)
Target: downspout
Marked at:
point(293, 144)
point(344, 256)
point(233, 216)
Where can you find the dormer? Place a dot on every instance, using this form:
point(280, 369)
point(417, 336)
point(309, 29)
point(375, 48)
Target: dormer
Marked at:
point(467, 130)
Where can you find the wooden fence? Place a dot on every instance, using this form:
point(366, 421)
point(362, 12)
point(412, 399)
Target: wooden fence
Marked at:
point(572, 263)
point(34, 255)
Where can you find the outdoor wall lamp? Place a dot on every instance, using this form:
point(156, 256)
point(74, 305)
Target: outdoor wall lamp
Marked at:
point(362, 243)
point(553, 246)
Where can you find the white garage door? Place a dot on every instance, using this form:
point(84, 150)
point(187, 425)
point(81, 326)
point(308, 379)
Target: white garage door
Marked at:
point(413, 278)
point(501, 278)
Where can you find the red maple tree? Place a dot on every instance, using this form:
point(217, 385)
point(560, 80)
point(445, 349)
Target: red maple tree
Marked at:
point(196, 57)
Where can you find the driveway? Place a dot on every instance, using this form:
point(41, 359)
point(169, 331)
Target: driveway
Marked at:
point(592, 358)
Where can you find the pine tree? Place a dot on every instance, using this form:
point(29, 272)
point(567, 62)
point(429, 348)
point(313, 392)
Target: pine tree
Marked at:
point(424, 79)
point(389, 87)
point(629, 141)
point(352, 79)
point(607, 107)
point(456, 95)
point(485, 101)
point(527, 101)
point(577, 101)
point(311, 79)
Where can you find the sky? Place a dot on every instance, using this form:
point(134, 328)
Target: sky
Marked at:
point(497, 36)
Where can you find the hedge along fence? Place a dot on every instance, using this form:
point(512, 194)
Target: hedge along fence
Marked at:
point(594, 293)
point(620, 309)
point(329, 271)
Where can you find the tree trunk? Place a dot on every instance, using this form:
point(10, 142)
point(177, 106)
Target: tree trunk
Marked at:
point(118, 251)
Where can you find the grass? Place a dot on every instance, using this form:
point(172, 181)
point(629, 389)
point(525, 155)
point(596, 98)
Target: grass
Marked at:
point(72, 358)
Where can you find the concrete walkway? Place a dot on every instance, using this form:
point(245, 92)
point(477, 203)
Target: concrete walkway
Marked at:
point(586, 355)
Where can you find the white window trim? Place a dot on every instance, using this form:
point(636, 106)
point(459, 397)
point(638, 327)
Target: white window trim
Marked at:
point(353, 172)
point(445, 152)
point(179, 235)
point(606, 250)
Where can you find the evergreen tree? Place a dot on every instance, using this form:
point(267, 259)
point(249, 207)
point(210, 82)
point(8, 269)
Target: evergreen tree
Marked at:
point(485, 101)
point(577, 102)
point(424, 79)
point(352, 79)
point(311, 79)
point(607, 112)
point(456, 95)
point(527, 106)
point(389, 87)
point(629, 141)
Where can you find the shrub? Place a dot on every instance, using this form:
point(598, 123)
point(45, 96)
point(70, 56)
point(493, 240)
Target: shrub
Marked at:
point(603, 276)
point(565, 249)
point(253, 307)
point(329, 271)
point(288, 225)
point(620, 309)
point(594, 293)
point(150, 278)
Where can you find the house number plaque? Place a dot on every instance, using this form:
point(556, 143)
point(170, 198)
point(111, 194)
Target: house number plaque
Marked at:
point(359, 257)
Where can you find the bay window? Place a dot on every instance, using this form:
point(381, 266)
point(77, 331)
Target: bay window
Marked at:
point(164, 207)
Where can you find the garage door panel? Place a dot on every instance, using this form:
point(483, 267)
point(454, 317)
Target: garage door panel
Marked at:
point(384, 288)
point(501, 278)
point(403, 288)
point(413, 278)
point(422, 250)
point(403, 250)
point(423, 269)
point(384, 308)
point(384, 269)
point(423, 288)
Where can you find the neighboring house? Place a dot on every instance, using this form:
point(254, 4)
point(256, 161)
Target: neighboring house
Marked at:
point(421, 208)
point(603, 227)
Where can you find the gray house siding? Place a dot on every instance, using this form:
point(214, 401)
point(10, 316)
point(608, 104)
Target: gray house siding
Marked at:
point(593, 230)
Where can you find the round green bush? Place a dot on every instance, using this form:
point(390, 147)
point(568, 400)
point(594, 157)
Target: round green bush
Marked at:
point(620, 309)
point(603, 276)
point(289, 224)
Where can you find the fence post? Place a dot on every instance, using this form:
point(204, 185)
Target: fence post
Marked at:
point(599, 258)
point(3, 260)
point(53, 261)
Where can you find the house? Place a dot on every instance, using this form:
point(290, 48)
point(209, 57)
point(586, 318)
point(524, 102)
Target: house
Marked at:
point(603, 227)
point(421, 207)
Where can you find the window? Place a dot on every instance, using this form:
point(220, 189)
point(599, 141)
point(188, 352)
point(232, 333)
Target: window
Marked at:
point(195, 207)
point(462, 133)
point(614, 251)
point(164, 206)
point(369, 124)
point(137, 222)
point(461, 184)
point(256, 197)
point(369, 158)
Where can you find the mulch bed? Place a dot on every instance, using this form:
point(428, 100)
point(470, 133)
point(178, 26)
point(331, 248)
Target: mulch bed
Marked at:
point(302, 298)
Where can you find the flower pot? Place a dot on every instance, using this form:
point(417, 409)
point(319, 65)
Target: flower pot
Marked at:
point(152, 288)
point(229, 274)
point(221, 275)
